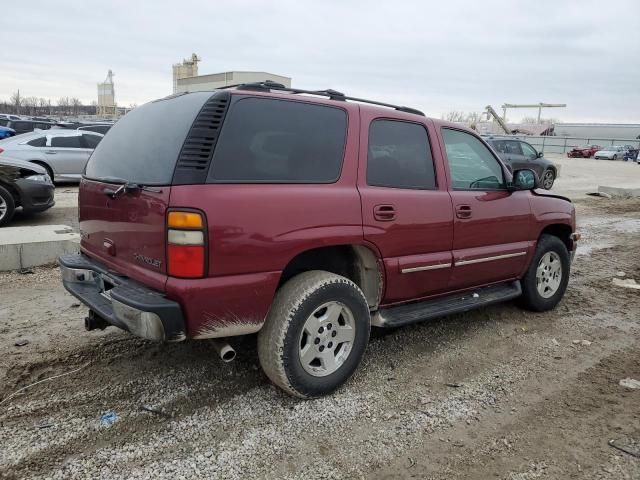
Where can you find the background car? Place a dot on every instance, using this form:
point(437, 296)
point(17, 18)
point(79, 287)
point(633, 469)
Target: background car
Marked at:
point(611, 153)
point(98, 127)
point(62, 152)
point(6, 132)
point(586, 151)
point(8, 116)
point(25, 185)
point(518, 154)
point(25, 126)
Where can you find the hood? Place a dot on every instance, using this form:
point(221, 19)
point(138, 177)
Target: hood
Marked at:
point(14, 162)
point(6, 129)
point(607, 152)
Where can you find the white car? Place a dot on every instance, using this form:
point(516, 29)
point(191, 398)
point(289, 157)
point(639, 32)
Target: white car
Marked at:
point(615, 152)
point(63, 153)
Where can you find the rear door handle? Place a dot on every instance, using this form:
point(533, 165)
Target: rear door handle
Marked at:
point(384, 213)
point(50, 152)
point(464, 211)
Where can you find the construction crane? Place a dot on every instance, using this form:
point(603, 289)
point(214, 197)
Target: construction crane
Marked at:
point(491, 112)
point(539, 106)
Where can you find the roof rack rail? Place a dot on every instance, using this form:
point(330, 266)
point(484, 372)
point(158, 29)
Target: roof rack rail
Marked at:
point(269, 85)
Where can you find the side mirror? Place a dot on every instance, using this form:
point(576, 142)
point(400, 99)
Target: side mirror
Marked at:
point(540, 154)
point(524, 179)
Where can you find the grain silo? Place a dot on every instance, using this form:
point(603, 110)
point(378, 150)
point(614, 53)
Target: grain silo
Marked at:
point(107, 96)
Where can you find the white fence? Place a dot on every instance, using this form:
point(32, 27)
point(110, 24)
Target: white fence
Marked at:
point(549, 144)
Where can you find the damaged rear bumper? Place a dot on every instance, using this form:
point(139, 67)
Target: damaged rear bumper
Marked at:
point(121, 301)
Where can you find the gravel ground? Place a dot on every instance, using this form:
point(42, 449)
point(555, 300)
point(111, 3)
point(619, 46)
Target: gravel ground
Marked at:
point(495, 393)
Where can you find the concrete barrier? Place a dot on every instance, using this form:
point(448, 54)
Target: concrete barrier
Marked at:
point(619, 192)
point(23, 247)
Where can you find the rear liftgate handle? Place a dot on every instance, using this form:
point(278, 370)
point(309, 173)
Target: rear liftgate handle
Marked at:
point(464, 211)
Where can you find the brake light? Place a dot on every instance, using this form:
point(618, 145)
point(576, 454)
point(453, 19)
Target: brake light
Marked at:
point(1, 150)
point(186, 244)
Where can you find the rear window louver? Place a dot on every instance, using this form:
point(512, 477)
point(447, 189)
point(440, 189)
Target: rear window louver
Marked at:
point(197, 150)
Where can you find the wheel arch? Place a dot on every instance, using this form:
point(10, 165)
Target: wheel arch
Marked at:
point(45, 165)
point(560, 230)
point(358, 263)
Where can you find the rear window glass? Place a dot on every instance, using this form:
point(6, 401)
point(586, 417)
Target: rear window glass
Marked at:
point(279, 141)
point(143, 146)
point(38, 142)
point(67, 142)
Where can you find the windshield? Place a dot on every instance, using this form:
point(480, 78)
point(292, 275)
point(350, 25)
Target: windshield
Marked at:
point(144, 145)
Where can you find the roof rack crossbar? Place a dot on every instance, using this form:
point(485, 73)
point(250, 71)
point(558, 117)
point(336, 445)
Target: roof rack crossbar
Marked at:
point(332, 94)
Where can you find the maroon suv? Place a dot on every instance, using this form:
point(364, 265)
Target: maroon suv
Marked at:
point(308, 217)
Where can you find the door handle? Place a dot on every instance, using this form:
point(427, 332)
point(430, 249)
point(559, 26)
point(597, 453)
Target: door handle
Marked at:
point(384, 213)
point(464, 211)
point(50, 152)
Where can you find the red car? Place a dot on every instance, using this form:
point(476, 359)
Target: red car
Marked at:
point(583, 152)
point(307, 217)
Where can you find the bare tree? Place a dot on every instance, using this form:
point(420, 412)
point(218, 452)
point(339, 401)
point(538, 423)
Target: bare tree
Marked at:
point(63, 104)
point(94, 107)
point(31, 104)
point(16, 102)
point(455, 116)
point(474, 117)
point(76, 104)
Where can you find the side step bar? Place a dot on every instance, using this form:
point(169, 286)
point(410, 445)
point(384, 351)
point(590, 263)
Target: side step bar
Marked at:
point(460, 302)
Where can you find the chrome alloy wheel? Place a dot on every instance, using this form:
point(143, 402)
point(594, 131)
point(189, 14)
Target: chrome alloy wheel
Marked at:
point(326, 339)
point(3, 208)
point(549, 274)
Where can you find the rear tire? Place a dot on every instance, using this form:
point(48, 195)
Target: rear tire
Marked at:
point(315, 335)
point(548, 178)
point(547, 277)
point(615, 157)
point(7, 206)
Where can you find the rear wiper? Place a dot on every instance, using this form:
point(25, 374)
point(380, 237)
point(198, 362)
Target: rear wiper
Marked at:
point(125, 186)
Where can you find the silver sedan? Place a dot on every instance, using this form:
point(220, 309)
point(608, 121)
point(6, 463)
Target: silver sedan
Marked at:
point(64, 153)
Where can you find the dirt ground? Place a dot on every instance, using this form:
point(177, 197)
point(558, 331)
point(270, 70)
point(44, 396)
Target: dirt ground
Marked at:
point(496, 393)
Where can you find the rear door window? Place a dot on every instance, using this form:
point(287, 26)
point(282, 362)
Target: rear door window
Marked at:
point(91, 141)
point(279, 141)
point(513, 147)
point(471, 163)
point(68, 142)
point(399, 156)
point(22, 126)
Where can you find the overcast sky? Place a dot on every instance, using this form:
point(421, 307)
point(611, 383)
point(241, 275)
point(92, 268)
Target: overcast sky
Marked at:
point(436, 56)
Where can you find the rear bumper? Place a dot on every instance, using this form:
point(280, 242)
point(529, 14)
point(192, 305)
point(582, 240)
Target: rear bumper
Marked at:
point(121, 301)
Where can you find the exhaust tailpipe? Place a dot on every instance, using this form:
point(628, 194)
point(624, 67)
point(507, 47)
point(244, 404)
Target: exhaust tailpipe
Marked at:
point(225, 351)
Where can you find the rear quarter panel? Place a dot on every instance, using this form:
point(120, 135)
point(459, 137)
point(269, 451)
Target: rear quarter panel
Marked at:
point(254, 230)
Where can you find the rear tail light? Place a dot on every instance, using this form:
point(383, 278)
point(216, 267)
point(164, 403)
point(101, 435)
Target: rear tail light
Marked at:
point(1, 150)
point(186, 244)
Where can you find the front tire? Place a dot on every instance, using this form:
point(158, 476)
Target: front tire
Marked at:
point(548, 177)
point(315, 335)
point(7, 206)
point(547, 277)
point(615, 157)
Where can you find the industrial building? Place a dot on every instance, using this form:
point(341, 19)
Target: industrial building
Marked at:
point(107, 97)
point(186, 78)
